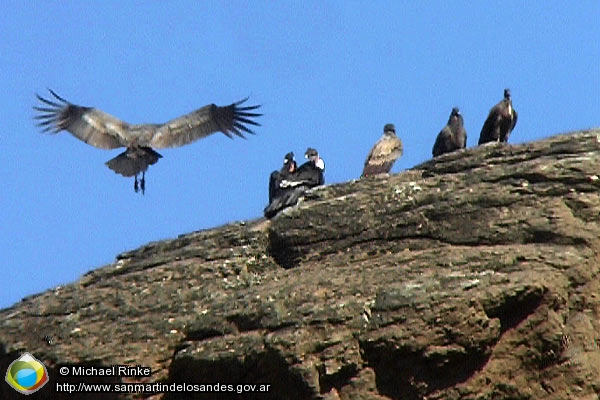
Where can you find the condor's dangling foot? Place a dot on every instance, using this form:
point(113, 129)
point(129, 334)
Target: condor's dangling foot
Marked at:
point(143, 183)
point(135, 185)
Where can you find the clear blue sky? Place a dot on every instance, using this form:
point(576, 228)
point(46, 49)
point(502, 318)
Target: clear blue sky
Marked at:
point(328, 75)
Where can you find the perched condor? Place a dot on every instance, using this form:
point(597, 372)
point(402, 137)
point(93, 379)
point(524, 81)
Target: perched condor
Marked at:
point(500, 121)
point(295, 184)
point(104, 131)
point(309, 173)
point(452, 137)
point(288, 168)
point(384, 153)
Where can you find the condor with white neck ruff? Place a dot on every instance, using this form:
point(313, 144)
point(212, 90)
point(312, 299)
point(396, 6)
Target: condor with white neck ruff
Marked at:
point(500, 121)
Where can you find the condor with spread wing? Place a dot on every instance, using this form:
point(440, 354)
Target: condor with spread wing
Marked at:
point(104, 131)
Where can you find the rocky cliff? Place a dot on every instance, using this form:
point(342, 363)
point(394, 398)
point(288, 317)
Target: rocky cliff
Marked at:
point(471, 276)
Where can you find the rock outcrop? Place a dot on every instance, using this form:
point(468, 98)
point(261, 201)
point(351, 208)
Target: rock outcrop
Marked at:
point(471, 276)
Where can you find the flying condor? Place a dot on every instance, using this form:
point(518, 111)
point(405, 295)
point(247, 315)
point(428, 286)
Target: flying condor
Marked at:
point(102, 130)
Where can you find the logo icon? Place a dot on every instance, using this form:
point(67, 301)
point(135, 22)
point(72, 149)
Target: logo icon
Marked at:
point(26, 374)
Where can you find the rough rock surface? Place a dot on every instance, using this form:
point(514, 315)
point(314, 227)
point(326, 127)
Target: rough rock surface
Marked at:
point(471, 276)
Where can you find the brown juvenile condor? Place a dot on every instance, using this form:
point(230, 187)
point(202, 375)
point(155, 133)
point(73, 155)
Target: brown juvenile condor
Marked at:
point(102, 130)
point(384, 153)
